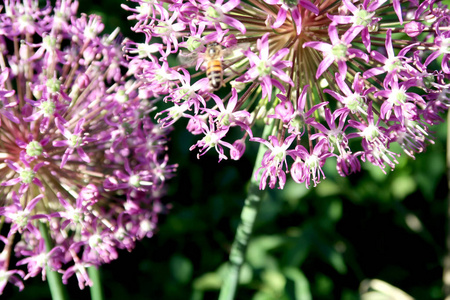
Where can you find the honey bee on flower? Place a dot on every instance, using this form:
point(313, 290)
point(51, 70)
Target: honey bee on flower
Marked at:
point(213, 60)
point(329, 72)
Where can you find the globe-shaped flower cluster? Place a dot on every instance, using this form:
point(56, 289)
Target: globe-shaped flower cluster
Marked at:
point(339, 81)
point(82, 164)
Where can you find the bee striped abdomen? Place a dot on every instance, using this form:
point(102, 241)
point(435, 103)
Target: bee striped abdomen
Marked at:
point(214, 72)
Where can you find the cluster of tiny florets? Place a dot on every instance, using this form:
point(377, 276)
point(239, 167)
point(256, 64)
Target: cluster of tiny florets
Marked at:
point(82, 164)
point(335, 80)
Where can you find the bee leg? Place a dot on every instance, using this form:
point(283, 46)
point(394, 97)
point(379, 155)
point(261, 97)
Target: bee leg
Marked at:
point(227, 67)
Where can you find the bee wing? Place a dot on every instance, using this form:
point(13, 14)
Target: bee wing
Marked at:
point(235, 51)
point(188, 59)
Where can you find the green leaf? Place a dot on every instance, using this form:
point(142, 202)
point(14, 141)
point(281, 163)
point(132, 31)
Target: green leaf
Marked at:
point(297, 253)
point(294, 192)
point(273, 280)
point(402, 186)
point(297, 285)
point(208, 281)
point(327, 188)
point(329, 253)
point(258, 247)
point(181, 268)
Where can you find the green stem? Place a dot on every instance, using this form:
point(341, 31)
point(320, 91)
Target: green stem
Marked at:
point(244, 229)
point(57, 289)
point(96, 288)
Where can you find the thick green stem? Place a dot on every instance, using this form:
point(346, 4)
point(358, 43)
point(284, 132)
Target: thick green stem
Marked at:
point(57, 289)
point(244, 229)
point(96, 288)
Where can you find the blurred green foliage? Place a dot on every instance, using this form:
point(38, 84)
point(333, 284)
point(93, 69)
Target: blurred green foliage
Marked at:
point(317, 243)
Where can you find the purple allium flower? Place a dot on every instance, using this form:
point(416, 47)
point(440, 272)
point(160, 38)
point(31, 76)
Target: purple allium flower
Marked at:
point(338, 81)
point(78, 148)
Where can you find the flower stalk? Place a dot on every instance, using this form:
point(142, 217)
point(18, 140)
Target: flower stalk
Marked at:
point(57, 289)
point(96, 288)
point(245, 227)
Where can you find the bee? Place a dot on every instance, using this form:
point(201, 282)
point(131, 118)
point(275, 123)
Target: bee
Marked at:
point(212, 58)
point(214, 69)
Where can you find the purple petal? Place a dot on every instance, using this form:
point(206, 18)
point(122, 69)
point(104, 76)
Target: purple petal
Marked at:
point(321, 46)
point(432, 57)
point(278, 85)
point(373, 72)
point(350, 6)
point(230, 5)
point(65, 156)
point(295, 14)
point(13, 165)
point(283, 76)
point(34, 116)
point(281, 17)
point(302, 99)
point(398, 10)
point(389, 49)
point(375, 4)
point(316, 107)
point(406, 49)
point(60, 124)
point(342, 86)
point(10, 182)
point(279, 55)
point(382, 93)
point(234, 23)
point(83, 155)
point(64, 143)
point(267, 86)
point(445, 63)
point(37, 182)
point(334, 37)
point(10, 116)
point(33, 202)
point(334, 94)
point(324, 65)
point(319, 126)
point(309, 6)
point(252, 57)
point(341, 19)
point(350, 34)
point(366, 38)
point(358, 53)
point(378, 56)
point(79, 126)
point(263, 46)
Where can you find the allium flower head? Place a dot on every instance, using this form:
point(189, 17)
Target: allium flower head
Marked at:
point(338, 80)
point(78, 149)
